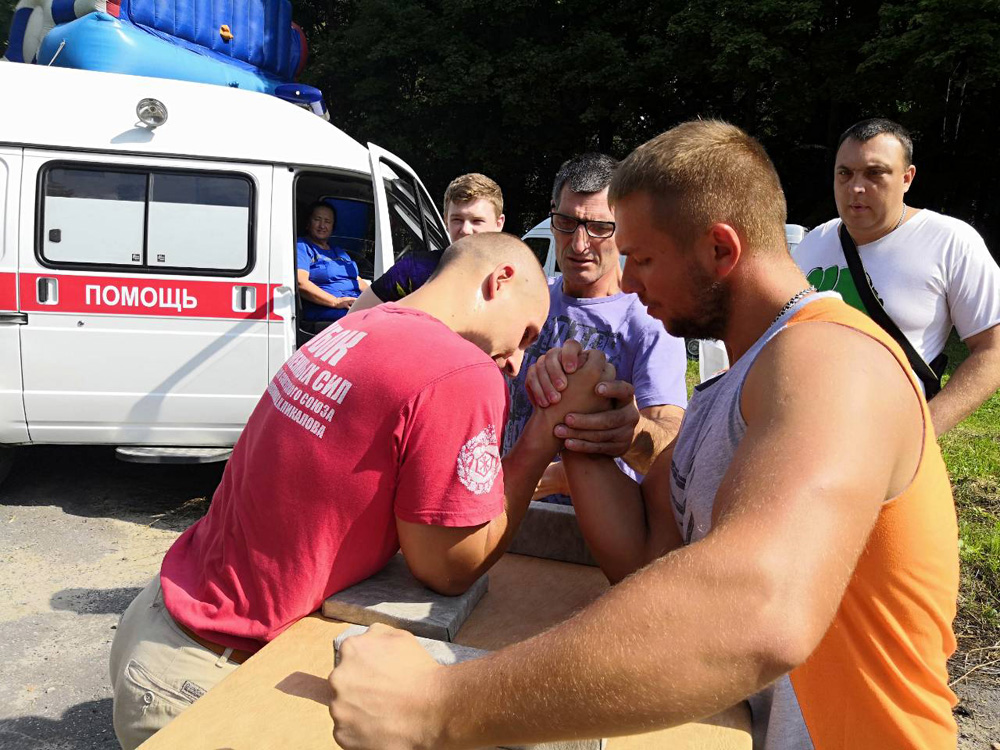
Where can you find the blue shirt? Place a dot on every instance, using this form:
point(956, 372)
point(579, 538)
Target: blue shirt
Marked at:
point(331, 270)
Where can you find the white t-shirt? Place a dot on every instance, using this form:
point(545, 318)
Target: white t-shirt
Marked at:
point(930, 274)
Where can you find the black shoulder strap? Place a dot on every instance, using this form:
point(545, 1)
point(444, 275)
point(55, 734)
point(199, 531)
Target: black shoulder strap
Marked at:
point(932, 383)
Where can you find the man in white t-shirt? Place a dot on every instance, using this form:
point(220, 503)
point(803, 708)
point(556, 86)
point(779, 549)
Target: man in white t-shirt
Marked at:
point(930, 271)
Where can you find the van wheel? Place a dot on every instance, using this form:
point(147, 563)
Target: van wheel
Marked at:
point(6, 461)
point(691, 345)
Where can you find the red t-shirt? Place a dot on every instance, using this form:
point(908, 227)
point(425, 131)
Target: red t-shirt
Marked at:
point(386, 414)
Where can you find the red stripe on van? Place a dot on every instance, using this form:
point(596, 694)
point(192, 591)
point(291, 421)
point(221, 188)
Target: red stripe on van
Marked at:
point(115, 295)
point(8, 292)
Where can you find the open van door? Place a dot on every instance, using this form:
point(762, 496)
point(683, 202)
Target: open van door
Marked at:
point(407, 219)
point(13, 428)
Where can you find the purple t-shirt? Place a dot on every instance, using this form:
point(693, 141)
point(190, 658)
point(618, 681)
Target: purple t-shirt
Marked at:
point(643, 353)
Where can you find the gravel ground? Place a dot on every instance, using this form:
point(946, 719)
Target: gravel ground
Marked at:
point(81, 534)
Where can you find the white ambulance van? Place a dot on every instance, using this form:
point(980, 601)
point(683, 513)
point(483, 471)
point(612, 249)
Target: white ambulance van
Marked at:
point(147, 253)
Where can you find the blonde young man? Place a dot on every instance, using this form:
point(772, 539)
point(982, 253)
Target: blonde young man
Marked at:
point(473, 203)
point(795, 546)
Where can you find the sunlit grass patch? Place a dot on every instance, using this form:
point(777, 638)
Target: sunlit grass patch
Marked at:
point(972, 453)
point(979, 550)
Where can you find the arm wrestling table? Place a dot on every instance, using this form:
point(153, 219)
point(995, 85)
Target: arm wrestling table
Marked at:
point(279, 698)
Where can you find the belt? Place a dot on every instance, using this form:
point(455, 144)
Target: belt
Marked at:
point(237, 655)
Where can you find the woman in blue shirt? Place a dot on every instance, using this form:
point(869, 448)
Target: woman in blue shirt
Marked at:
point(328, 278)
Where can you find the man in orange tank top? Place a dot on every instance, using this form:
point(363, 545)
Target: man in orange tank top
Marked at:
point(795, 547)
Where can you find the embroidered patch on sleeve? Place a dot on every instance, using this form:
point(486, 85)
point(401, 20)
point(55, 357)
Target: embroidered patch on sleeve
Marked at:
point(479, 462)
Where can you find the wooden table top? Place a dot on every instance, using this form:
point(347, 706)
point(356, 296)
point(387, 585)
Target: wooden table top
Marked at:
point(279, 698)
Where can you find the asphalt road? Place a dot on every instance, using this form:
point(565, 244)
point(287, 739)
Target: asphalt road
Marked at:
point(80, 534)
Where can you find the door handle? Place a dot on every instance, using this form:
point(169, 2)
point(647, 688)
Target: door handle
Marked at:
point(47, 290)
point(283, 305)
point(244, 299)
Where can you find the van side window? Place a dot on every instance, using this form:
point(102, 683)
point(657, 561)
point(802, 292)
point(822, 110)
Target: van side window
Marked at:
point(146, 219)
point(198, 221)
point(539, 246)
point(94, 216)
point(412, 221)
point(436, 239)
point(404, 215)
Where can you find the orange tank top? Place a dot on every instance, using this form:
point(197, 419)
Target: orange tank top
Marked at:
point(879, 677)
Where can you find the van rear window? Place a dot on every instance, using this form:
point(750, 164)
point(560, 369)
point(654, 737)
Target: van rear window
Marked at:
point(144, 219)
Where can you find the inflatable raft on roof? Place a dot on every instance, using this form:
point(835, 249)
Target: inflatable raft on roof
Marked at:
point(248, 44)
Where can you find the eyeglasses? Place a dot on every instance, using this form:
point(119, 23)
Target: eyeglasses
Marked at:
point(599, 230)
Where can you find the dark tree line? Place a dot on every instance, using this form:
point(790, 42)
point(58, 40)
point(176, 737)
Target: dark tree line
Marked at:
point(6, 11)
point(511, 87)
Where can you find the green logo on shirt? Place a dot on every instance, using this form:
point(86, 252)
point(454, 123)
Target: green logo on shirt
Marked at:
point(837, 279)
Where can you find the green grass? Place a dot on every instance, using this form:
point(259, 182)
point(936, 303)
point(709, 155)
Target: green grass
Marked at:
point(972, 453)
point(692, 376)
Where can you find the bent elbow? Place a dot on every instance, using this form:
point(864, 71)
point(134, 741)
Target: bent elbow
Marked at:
point(447, 586)
point(617, 571)
point(787, 639)
point(451, 588)
point(781, 654)
point(444, 582)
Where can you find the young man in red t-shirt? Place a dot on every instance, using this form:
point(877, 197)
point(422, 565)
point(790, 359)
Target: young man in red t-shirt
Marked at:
point(380, 434)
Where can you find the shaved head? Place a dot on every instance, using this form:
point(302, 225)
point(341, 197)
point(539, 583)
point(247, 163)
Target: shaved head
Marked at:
point(485, 251)
point(491, 290)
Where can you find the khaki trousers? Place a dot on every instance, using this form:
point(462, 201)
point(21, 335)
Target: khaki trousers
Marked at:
point(156, 670)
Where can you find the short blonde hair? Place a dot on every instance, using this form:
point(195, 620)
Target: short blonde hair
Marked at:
point(707, 171)
point(472, 186)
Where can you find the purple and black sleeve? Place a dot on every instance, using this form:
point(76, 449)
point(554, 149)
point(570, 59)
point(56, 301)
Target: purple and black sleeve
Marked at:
point(406, 276)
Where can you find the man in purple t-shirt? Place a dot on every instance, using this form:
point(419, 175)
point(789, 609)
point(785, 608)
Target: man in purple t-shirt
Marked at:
point(587, 304)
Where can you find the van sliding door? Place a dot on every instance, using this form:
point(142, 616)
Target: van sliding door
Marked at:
point(146, 286)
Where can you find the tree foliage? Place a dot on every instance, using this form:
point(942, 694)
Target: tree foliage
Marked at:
point(512, 88)
point(6, 12)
